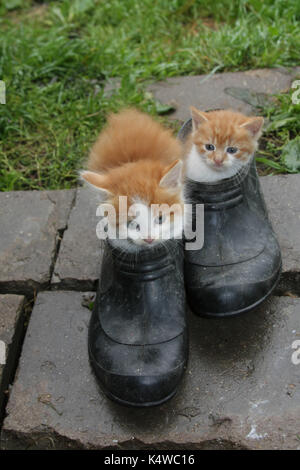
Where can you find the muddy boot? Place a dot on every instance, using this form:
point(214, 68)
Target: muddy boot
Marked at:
point(138, 344)
point(240, 262)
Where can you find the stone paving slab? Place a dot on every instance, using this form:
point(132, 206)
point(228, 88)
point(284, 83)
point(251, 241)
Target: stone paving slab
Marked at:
point(282, 195)
point(208, 92)
point(30, 225)
point(241, 389)
point(11, 327)
point(79, 259)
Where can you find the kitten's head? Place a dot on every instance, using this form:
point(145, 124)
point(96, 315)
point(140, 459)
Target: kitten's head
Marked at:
point(225, 139)
point(152, 189)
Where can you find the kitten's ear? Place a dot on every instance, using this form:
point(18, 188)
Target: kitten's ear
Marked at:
point(172, 176)
point(198, 118)
point(96, 181)
point(254, 126)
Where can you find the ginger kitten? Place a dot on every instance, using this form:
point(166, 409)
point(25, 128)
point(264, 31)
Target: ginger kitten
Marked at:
point(134, 156)
point(221, 143)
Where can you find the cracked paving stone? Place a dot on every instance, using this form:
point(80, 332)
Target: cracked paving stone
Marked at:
point(30, 224)
point(79, 259)
point(241, 389)
point(11, 328)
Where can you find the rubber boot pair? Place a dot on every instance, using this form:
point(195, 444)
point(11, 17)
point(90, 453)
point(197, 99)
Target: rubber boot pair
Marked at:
point(138, 342)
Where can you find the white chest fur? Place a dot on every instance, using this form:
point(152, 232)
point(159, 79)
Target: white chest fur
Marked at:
point(198, 170)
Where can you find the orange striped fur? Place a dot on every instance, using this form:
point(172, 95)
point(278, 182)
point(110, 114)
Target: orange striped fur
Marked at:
point(134, 156)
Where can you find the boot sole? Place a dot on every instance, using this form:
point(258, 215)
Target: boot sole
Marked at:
point(129, 404)
point(243, 310)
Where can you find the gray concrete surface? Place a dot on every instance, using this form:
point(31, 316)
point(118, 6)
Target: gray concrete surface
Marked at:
point(209, 91)
point(282, 195)
point(241, 389)
point(79, 259)
point(30, 226)
point(11, 327)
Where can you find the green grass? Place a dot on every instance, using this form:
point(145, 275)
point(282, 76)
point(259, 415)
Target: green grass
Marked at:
point(281, 142)
point(56, 58)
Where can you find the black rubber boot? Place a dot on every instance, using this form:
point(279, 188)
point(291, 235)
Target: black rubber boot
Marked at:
point(138, 344)
point(240, 262)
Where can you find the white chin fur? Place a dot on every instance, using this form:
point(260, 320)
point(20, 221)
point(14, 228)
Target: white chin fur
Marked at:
point(199, 170)
point(133, 245)
point(160, 234)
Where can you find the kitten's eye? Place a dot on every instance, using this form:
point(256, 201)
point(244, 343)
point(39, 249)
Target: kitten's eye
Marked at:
point(133, 225)
point(160, 219)
point(231, 149)
point(210, 147)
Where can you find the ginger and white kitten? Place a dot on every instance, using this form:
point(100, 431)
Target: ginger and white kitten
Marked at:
point(134, 156)
point(221, 143)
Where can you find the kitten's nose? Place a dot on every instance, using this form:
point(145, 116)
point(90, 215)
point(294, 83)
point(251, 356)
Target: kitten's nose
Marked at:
point(219, 161)
point(148, 240)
